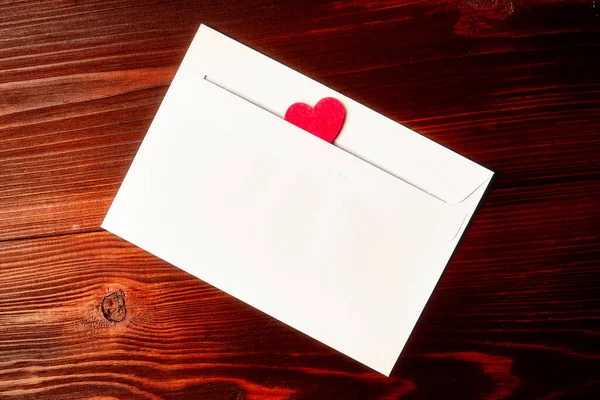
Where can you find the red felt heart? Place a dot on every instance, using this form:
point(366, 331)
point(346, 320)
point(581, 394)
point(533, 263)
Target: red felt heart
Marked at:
point(325, 120)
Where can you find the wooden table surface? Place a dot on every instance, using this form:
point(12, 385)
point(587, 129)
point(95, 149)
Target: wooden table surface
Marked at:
point(512, 84)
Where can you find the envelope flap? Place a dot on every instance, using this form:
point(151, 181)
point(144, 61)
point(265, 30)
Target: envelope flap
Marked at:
point(366, 133)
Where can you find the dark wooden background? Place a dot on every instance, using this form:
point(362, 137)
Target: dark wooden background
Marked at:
point(512, 84)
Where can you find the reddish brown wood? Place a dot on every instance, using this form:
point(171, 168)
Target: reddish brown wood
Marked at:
point(513, 85)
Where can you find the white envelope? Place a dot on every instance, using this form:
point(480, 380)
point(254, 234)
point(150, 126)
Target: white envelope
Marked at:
point(343, 242)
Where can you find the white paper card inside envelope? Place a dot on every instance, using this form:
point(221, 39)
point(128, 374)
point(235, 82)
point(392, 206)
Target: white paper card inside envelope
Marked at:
point(344, 242)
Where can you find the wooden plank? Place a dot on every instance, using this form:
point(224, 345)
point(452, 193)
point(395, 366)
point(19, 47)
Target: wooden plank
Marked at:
point(512, 85)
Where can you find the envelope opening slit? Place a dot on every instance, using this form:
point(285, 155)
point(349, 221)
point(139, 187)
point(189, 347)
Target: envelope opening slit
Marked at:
point(242, 96)
point(252, 101)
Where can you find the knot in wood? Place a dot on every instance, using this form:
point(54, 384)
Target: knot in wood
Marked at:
point(113, 307)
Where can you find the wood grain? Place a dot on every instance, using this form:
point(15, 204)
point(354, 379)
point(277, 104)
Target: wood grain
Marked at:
point(513, 85)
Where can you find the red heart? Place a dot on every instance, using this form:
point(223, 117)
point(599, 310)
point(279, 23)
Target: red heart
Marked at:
point(325, 120)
